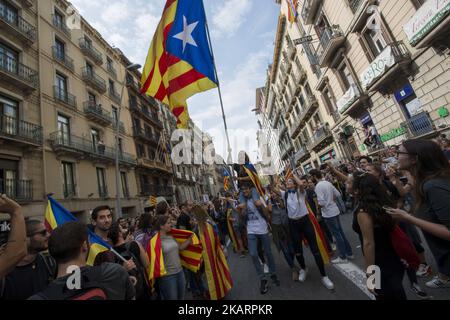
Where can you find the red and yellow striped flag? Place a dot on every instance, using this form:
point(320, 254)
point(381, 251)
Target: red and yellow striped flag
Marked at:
point(179, 63)
point(253, 174)
point(320, 236)
point(216, 266)
point(190, 257)
point(231, 230)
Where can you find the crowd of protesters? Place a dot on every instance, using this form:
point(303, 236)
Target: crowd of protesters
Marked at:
point(400, 202)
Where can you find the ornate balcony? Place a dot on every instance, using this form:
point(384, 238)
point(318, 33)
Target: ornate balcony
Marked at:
point(92, 79)
point(309, 10)
point(15, 73)
point(91, 51)
point(321, 139)
point(62, 58)
point(20, 132)
point(82, 148)
point(386, 67)
point(18, 27)
point(96, 113)
point(18, 190)
point(61, 26)
point(63, 96)
point(331, 40)
point(419, 125)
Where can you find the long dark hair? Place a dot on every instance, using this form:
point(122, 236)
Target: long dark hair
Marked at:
point(431, 163)
point(372, 196)
point(145, 222)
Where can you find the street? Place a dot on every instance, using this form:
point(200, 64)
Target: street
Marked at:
point(246, 284)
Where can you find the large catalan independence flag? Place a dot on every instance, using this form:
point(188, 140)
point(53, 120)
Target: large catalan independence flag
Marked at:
point(216, 266)
point(190, 257)
point(179, 63)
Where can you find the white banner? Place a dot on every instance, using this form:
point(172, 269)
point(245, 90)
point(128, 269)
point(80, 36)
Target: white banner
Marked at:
point(426, 18)
point(348, 98)
point(378, 67)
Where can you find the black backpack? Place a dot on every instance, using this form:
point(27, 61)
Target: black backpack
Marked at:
point(141, 287)
point(90, 289)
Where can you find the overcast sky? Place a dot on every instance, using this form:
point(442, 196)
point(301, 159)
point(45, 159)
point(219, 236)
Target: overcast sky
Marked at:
point(242, 32)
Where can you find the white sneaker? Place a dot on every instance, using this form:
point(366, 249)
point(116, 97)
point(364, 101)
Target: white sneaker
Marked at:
point(438, 283)
point(266, 268)
point(424, 270)
point(327, 283)
point(339, 260)
point(302, 275)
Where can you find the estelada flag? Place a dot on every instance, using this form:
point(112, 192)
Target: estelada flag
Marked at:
point(217, 272)
point(190, 257)
point(251, 172)
point(292, 10)
point(179, 63)
point(56, 215)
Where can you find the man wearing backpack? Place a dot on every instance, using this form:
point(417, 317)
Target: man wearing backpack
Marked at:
point(35, 271)
point(301, 227)
point(68, 245)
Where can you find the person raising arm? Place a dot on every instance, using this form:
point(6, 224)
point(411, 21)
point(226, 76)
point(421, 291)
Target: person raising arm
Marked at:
point(16, 248)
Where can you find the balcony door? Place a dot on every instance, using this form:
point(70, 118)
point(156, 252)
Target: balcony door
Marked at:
point(95, 137)
point(8, 59)
point(61, 86)
point(60, 50)
point(64, 130)
point(9, 13)
point(8, 115)
point(8, 177)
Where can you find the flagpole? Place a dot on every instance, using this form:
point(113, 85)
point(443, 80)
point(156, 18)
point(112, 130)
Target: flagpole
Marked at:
point(229, 160)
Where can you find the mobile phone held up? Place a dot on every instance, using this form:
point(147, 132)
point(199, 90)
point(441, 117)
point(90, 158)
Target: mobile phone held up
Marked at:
point(5, 228)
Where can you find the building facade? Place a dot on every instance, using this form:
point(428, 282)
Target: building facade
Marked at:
point(154, 172)
point(369, 64)
point(64, 94)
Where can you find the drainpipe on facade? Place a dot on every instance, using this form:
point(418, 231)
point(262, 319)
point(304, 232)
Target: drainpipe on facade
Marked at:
point(44, 169)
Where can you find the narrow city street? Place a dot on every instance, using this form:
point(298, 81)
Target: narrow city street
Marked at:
point(348, 279)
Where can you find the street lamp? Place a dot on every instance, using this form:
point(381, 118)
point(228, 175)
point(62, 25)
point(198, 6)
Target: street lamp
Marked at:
point(131, 67)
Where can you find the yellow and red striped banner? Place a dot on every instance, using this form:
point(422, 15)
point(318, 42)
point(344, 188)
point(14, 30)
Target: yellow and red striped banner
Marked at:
point(231, 231)
point(251, 172)
point(190, 257)
point(216, 266)
point(320, 236)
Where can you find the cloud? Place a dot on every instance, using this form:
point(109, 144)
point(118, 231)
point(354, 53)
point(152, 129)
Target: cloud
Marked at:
point(229, 17)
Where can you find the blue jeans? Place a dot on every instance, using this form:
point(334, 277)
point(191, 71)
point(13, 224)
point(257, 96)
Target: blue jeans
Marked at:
point(334, 224)
point(288, 252)
point(173, 287)
point(253, 250)
point(255, 196)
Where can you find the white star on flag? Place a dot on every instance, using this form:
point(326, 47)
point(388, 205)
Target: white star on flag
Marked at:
point(186, 34)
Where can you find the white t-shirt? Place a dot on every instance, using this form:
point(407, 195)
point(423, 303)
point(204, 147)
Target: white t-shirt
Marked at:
point(326, 197)
point(295, 209)
point(255, 222)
